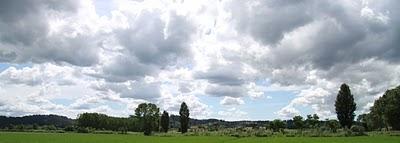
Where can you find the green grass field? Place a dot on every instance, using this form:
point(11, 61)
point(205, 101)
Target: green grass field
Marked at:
point(114, 138)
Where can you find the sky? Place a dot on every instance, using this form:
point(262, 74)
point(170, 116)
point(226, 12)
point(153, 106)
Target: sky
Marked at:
point(227, 59)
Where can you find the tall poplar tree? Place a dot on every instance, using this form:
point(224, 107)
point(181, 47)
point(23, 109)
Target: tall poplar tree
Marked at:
point(345, 106)
point(184, 117)
point(165, 121)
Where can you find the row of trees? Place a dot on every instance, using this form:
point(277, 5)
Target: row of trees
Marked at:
point(147, 118)
point(312, 121)
point(385, 112)
point(103, 122)
point(298, 122)
point(344, 106)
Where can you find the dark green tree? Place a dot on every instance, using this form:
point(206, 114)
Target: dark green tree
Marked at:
point(375, 122)
point(345, 106)
point(315, 121)
point(165, 121)
point(312, 121)
point(184, 117)
point(298, 122)
point(393, 108)
point(103, 122)
point(148, 115)
point(377, 118)
point(387, 109)
point(277, 125)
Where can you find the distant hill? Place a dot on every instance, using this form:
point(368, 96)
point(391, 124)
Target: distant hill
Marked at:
point(41, 120)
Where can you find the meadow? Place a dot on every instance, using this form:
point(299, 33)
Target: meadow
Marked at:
point(24, 137)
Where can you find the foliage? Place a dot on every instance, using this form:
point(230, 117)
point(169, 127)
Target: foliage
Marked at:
point(386, 110)
point(83, 130)
point(103, 122)
point(69, 129)
point(333, 125)
point(376, 118)
point(165, 121)
point(298, 122)
point(184, 117)
point(148, 115)
point(392, 110)
point(277, 125)
point(312, 121)
point(345, 106)
point(358, 130)
point(50, 127)
point(384, 113)
point(362, 120)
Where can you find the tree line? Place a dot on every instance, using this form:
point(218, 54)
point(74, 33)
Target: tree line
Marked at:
point(384, 114)
point(146, 119)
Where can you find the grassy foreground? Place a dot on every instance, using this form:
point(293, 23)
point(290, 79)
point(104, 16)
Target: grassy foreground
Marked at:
point(6, 137)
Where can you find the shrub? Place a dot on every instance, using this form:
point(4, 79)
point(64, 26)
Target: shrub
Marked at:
point(278, 125)
point(69, 129)
point(358, 130)
point(123, 130)
point(103, 132)
point(83, 130)
point(50, 128)
point(262, 134)
point(19, 127)
point(347, 132)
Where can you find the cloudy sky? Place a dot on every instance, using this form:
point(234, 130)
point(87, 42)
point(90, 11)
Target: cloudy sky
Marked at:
point(227, 59)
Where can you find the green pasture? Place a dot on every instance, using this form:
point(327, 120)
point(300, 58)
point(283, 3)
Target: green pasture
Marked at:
point(7, 137)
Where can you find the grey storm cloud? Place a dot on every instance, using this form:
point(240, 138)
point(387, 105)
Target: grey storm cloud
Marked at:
point(268, 21)
point(225, 80)
point(311, 42)
point(135, 90)
point(125, 67)
point(25, 34)
point(345, 35)
point(225, 90)
point(150, 45)
point(223, 75)
point(333, 35)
